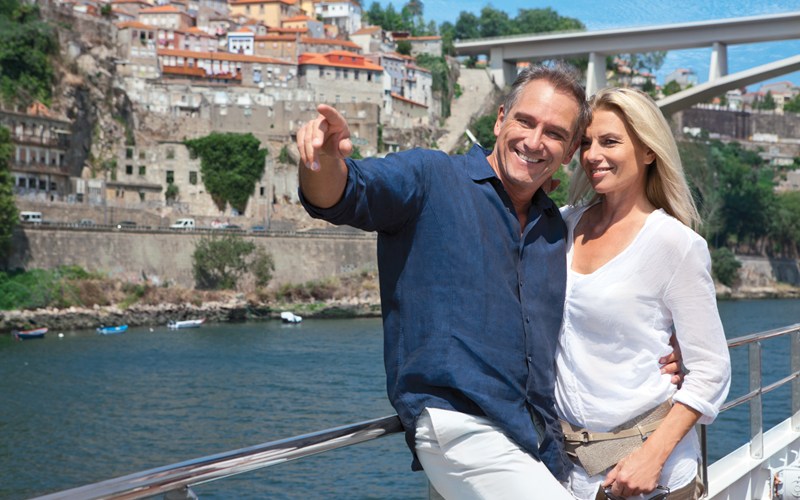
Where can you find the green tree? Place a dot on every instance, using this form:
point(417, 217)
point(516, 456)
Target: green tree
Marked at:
point(767, 103)
point(483, 128)
point(219, 262)
point(283, 156)
point(448, 34)
point(404, 47)
point(793, 106)
point(26, 47)
point(672, 87)
point(784, 228)
point(230, 164)
point(725, 266)
point(171, 193)
point(494, 22)
point(9, 217)
point(263, 266)
point(374, 15)
point(467, 26)
point(544, 21)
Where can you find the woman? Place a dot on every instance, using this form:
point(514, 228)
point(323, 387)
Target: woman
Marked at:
point(637, 272)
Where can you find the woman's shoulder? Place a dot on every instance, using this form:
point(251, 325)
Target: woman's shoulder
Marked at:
point(672, 231)
point(572, 213)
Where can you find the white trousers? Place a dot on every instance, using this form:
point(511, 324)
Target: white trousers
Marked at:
point(467, 457)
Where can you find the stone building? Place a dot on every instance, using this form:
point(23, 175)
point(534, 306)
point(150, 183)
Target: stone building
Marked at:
point(269, 12)
point(166, 16)
point(338, 77)
point(41, 140)
point(345, 15)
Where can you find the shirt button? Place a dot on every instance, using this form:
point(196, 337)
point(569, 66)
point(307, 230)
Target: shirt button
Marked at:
point(530, 359)
point(528, 319)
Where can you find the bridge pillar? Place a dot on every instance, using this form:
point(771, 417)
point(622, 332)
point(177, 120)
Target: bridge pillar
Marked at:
point(503, 72)
point(719, 61)
point(595, 73)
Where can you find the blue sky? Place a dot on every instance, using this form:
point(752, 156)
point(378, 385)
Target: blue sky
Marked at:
point(608, 14)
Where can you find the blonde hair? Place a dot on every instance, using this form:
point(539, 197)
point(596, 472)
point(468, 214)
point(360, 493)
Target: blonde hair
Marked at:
point(666, 185)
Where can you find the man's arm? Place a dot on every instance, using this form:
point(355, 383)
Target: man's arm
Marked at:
point(323, 144)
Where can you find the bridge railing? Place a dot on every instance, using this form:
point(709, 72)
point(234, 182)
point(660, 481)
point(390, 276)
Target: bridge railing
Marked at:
point(176, 480)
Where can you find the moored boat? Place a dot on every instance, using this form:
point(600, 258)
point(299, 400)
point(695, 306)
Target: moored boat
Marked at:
point(290, 317)
point(112, 330)
point(187, 323)
point(36, 333)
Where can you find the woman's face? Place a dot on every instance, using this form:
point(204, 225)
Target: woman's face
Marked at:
point(614, 159)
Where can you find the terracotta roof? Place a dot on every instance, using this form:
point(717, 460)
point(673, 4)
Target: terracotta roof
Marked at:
point(409, 101)
point(194, 30)
point(198, 73)
point(162, 9)
point(329, 41)
point(368, 30)
point(422, 38)
point(339, 59)
point(220, 56)
point(141, 2)
point(137, 25)
point(245, 2)
point(418, 68)
point(295, 19)
point(287, 30)
point(276, 38)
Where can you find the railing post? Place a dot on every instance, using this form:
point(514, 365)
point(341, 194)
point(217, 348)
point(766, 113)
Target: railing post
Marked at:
point(756, 427)
point(704, 457)
point(794, 338)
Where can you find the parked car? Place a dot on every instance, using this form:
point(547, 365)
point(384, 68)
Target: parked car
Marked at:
point(258, 229)
point(86, 222)
point(232, 227)
point(183, 224)
point(31, 217)
point(126, 224)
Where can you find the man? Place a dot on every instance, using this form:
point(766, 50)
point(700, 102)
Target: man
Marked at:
point(472, 274)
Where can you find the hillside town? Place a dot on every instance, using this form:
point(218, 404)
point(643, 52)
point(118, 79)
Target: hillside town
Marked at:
point(182, 69)
point(189, 68)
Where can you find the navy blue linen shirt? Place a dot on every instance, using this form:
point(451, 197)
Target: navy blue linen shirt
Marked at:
point(472, 306)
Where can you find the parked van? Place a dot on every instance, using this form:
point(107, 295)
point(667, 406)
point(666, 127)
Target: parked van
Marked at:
point(183, 224)
point(31, 217)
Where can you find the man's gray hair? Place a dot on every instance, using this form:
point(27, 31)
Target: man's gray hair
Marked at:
point(565, 78)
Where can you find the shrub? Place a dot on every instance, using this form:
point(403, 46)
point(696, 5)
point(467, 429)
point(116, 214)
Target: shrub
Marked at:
point(725, 266)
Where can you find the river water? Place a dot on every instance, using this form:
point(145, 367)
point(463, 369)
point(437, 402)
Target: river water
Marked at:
point(85, 407)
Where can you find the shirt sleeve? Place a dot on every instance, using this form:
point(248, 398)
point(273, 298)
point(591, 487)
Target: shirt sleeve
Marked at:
point(381, 194)
point(691, 298)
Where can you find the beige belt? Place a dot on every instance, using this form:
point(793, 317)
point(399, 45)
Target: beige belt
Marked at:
point(575, 434)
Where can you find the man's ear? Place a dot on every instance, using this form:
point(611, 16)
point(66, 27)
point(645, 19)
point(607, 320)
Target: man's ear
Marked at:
point(498, 124)
point(571, 151)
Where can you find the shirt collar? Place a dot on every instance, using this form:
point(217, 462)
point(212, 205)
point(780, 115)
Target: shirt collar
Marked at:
point(481, 171)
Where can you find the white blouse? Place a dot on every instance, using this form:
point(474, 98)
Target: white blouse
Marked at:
point(617, 324)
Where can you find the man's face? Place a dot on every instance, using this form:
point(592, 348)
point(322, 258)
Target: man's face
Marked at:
point(533, 138)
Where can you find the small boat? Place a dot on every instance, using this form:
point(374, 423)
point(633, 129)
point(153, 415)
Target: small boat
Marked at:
point(187, 323)
point(290, 317)
point(36, 333)
point(112, 330)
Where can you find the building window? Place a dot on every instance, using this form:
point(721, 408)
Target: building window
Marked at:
point(128, 169)
point(170, 176)
point(142, 155)
point(171, 151)
point(141, 195)
point(128, 153)
point(142, 170)
point(193, 177)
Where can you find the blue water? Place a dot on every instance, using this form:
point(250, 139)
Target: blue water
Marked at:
point(87, 407)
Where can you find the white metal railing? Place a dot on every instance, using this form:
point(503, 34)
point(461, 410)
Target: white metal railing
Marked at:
point(176, 479)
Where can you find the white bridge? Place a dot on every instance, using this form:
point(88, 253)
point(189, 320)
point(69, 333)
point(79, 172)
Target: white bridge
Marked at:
point(505, 52)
